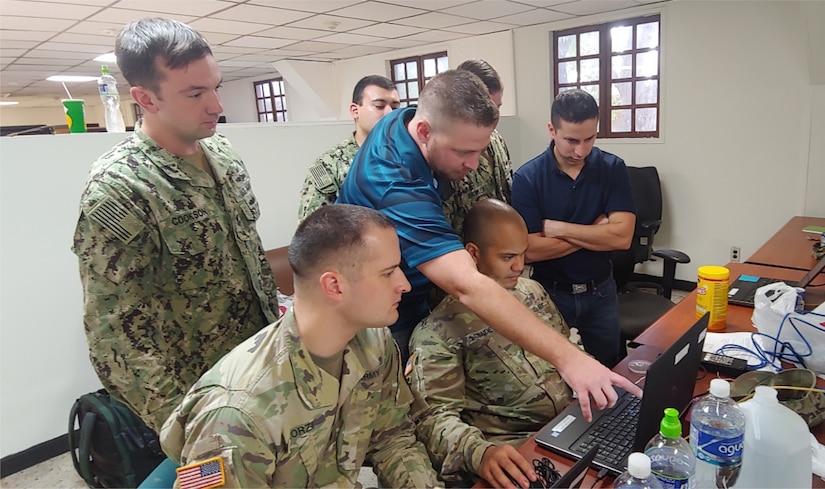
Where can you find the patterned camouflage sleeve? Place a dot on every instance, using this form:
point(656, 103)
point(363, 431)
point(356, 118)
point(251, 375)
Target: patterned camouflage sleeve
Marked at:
point(311, 198)
point(225, 432)
point(437, 382)
point(120, 312)
point(399, 459)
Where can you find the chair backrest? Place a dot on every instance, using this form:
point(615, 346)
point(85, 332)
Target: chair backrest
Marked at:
point(647, 197)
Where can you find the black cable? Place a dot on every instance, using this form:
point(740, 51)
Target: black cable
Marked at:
point(546, 471)
point(600, 476)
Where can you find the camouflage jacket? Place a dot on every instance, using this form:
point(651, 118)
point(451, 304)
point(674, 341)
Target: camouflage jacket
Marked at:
point(325, 177)
point(474, 388)
point(493, 178)
point(173, 271)
point(278, 420)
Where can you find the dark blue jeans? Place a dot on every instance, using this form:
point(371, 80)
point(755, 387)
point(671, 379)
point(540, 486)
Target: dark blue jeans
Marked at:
point(595, 314)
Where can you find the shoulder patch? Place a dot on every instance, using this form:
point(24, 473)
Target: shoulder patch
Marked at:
point(111, 214)
point(321, 178)
point(202, 475)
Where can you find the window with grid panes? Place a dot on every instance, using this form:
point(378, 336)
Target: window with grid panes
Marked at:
point(410, 74)
point(270, 100)
point(619, 64)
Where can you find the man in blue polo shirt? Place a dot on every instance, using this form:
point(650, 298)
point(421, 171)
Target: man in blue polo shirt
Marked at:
point(401, 169)
point(577, 203)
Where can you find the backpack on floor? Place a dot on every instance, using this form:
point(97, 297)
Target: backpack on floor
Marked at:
point(111, 446)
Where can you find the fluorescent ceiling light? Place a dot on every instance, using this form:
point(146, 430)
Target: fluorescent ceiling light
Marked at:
point(71, 78)
point(107, 58)
point(9, 102)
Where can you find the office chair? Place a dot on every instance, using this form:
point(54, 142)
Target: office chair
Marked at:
point(639, 309)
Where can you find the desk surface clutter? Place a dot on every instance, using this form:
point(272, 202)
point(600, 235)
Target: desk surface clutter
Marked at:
point(787, 255)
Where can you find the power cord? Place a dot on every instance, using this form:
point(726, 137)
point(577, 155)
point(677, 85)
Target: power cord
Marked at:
point(601, 475)
point(546, 471)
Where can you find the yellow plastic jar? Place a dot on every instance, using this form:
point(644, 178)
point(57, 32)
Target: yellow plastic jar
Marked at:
point(712, 295)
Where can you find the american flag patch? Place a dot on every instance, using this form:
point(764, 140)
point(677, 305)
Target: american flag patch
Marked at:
point(202, 475)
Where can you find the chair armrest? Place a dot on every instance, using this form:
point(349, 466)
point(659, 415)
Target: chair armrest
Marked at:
point(672, 255)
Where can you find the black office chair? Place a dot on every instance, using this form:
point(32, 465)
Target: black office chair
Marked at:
point(638, 306)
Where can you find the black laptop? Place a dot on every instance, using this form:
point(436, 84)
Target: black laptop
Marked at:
point(632, 422)
point(742, 291)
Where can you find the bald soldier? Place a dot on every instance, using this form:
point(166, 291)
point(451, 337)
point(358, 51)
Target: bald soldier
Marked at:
point(477, 394)
point(311, 397)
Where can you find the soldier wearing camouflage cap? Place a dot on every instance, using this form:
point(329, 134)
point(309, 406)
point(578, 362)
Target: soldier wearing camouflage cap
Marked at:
point(478, 395)
point(372, 98)
point(173, 270)
point(309, 399)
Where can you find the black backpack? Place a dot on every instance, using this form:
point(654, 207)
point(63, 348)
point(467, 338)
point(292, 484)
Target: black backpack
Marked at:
point(111, 446)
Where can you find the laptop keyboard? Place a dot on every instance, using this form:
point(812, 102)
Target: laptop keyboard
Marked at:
point(615, 432)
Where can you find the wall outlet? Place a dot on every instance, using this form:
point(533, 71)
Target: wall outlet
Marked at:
point(734, 254)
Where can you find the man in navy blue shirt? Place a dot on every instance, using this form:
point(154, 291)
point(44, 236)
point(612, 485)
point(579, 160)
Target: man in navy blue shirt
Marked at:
point(401, 169)
point(578, 206)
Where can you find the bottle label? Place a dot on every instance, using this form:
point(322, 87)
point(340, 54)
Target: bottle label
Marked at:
point(718, 451)
point(670, 483)
point(103, 88)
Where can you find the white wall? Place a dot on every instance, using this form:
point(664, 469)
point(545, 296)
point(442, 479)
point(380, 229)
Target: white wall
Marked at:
point(44, 362)
point(51, 113)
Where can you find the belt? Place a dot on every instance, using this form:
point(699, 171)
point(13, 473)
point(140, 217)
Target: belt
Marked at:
point(581, 288)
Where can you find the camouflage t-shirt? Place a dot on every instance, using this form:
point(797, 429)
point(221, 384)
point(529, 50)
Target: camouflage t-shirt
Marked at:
point(278, 420)
point(173, 270)
point(325, 177)
point(473, 387)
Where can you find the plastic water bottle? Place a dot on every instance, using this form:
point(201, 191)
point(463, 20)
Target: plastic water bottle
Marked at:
point(777, 449)
point(637, 475)
point(717, 430)
point(672, 460)
point(109, 96)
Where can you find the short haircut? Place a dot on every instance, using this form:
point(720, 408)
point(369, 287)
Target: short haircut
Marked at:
point(377, 80)
point(332, 236)
point(457, 96)
point(480, 223)
point(483, 70)
point(574, 106)
point(141, 43)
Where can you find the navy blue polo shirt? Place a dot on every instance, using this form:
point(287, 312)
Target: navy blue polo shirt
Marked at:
point(542, 191)
point(390, 174)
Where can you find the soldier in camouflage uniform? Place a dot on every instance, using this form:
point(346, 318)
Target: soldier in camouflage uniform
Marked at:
point(477, 395)
point(310, 398)
point(173, 271)
point(373, 97)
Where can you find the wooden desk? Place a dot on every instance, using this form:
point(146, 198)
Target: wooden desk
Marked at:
point(790, 246)
point(663, 333)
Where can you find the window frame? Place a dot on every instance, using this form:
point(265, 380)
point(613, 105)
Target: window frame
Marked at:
point(268, 93)
point(420, 78)
point(605, 81)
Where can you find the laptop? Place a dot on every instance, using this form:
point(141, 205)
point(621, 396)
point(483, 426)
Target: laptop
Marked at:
point(632, 422)
point(742, 291)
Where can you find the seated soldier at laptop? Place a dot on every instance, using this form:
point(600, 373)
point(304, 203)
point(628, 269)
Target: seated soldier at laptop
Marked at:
point(478, 395)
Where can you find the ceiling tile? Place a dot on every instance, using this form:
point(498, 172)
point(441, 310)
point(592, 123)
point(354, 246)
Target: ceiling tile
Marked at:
point(434, 36)
point(189, 8)
point(589, 7)
point(122, 16)
point(24, 45)
point(51, 53)
point(261, 57)
point(47, 9)
point(487, 9)
point(99, 3)
point(285, 32)
point(349, 38)
point(544, 3)
point(331, 23)
point(533, 17)
point(261, 15)
point(216, 38)
point(398, 43)
point(430, 4)
point(363, 50)
point(388, 30)
point(380, 12)
point(16, 35)
point(481, 27)
point(72, 37)
point(316, 6)
point(317, 47)
point(436, 20)
point(12, 22)
point(227, 26)
point(260, 42)
point(77, 48)
point(28, 60)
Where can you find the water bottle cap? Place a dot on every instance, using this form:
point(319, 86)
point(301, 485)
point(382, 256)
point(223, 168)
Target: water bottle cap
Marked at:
point(104, 69)
point(670, 427)
point(719, 388)
point(638, 465)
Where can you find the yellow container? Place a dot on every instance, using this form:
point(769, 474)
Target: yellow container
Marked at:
point(712, 295)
